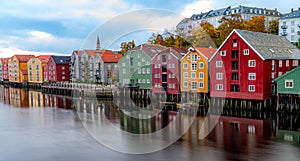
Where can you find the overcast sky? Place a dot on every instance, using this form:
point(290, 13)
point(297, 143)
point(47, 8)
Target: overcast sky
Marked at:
point(61, 26)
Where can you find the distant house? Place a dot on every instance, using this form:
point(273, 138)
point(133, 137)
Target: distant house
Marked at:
point(246, 64)
point(36, 71)
point(195, 70)
point(165, 72)
point(59, 69)
point(18, 69)
point(135, 68)
point(108, 66)
point(75, 65)
point(4, 69)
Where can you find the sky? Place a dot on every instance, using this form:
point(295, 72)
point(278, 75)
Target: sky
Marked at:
point(61, 26)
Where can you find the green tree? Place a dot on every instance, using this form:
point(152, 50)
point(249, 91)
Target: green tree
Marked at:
point(273, 27)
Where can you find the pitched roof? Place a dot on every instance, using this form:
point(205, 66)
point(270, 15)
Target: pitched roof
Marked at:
point(207, 52)
point(78, 52)
point(109, 56)
point(24, 58)
point(44, 58)
point(293, 14)
point(269, 46)
point(150, 49)
point(93, 53)
point(61, 60)
point(297, 69)
point(172, 51)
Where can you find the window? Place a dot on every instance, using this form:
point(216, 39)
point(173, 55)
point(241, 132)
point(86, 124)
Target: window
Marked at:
point(139, 70)
point(234, 88)
point(279, 74)
point(201, 85)
point(251, 88)
point(218, 64)
point(295, 63)
point(164, 68)
point(185, 66)
point(219, 76)
point(157, 66)
point(148, 81)
point(280, 63)
point(123, 64)
point(139, 63)
point(185, 84)
point(235, 76)
point(219, 87)
point(251, 129)
point(292, 30)
point(124, 71)
point(139, 81)
point(144, 81)
point(193, 75)
point(164, 58)
point(169, 57)
point(223, 53)
point(246, 51)
point(147, 63)
point(273, 75)
point(194, 58)
point(157, 76)
point(234, 65)
point(157, 85)
point(287, 63)
point(289, 83)
point(201, 65)
point(235, 54)
point(62, 68)
point(251, 63)
point(172, 86)
point(61, 73)
point(293, 23)
point(63, 77)
point(194, 85)
point(185, 75)
point(234, 43)
point(143, 70)
point(201, 75)
point(148, 70)
point(252, 76)
point(194, 66)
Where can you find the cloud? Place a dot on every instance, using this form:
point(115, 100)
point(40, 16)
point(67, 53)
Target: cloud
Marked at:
point(197, 7)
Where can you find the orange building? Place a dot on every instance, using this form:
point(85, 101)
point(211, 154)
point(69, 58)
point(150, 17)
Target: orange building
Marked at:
point(17, 68)
point(194, 70)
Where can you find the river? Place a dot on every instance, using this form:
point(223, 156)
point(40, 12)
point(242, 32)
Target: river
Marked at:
point(43, 127)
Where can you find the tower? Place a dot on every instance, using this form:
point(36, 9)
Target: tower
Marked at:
point(98, 44)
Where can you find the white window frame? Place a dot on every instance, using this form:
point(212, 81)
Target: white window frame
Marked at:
point(251, 75)
point(193, 75)
point(185, 65)
point(201, 83)
point(223, 53)
point(219, 76)
point(295, 63)
point(194, 58)
point(185, 75)
point(219, 87)
point(246, 52)
point(201, 75)
point(250, 63)
point(251, 88)
point(185, 84)
point(287, 63)
point(201, 65)
point(288, 81)
point(194, 66)
point(280, 63)
point(194, 85)
point(219, 64)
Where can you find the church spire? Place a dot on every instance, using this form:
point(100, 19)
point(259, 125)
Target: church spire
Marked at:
point(98, 44)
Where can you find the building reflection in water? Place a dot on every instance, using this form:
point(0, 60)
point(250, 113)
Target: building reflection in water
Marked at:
point(18, 97)
point(36, 99)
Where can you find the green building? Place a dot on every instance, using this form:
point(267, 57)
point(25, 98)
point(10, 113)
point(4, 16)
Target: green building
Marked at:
point(135, 68)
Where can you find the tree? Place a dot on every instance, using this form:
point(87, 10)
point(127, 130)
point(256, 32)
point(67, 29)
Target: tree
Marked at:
point(205, 36)
point(125, 46)
point(228, 24)
point(273, 27)
point(297, 44)
point(168, 39)
point(256, 24)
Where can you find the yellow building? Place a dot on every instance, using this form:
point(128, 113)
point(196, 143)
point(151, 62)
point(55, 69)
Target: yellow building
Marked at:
point(18, 97)
point(194, 70)
point(36, 99)
point(17, 68)
point(36, 68)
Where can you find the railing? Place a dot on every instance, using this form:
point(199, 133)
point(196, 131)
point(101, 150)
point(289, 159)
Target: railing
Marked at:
point(284, 27)
point(284, 34)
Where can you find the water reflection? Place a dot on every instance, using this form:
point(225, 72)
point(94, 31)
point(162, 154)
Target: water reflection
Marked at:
point(233, 137)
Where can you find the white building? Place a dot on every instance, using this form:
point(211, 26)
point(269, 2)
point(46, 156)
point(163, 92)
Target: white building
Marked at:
point(214, 17)
point(289, 25)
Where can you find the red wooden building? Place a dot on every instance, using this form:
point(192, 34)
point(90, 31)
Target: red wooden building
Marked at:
point(4, 69)
point(165, 72)
point(58, 69)
point(245, 65)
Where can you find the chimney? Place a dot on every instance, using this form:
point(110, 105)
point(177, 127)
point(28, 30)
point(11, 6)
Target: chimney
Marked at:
point(292, 10)
point(275, 9)
point(299, 8)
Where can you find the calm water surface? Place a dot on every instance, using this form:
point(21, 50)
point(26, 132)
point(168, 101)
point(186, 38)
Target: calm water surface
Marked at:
point(41, 127)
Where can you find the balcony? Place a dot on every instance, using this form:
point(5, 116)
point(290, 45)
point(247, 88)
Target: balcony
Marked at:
point(298, 25)
point(284, 34)
point(298, 32)
point(284, 27)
